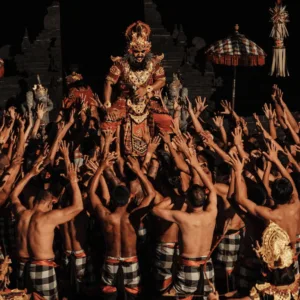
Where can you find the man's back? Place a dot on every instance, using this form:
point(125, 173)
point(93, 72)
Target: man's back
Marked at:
point(41, 236)
point(286, 216)
point(23, 222)
point(120, 234)
point(197, 233)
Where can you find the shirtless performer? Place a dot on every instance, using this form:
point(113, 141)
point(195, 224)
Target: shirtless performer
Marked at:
point(285, 214)
point(23, 217)
point(120, 230)
point(197, 227)
point(38, 228)
point(166, 243)
point(75, 236)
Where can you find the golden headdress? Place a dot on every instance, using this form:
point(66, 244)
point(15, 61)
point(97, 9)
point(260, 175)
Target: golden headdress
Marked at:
point(276, 250)
point(137, 35)
point(73, 77)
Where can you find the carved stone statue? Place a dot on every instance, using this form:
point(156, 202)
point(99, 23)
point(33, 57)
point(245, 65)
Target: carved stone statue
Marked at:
point(39, 95)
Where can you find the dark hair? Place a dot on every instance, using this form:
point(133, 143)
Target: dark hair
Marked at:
point(296, 177)
point(256, 192)
point(282, 190)
point(43, 195)
point(120, 195)
point(196, 195)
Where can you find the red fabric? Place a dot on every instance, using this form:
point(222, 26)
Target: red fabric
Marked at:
point(75, 94)
point(44, 262)
point(1, 71)
point(163, 122)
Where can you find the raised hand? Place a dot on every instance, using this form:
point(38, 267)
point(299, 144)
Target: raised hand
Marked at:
point(165, 136)
point(175, 128)
point(38, 166)
point(40, 111)
point(180, 143)
point(207, 138)
point(236, 163)
point(218, 121)
point(109, 136)
point(72, 114)
point(200, 104)
point(272, 154)
point(189, 139)
point(64, 148)
point(154, 144)
point(133, 164)
point(72, 173)
point(227, 107)
point(237, 136)
point(191, 158)
point(92, 166)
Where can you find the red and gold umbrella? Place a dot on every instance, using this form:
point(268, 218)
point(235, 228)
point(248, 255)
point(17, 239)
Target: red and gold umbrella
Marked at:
point(236, 50)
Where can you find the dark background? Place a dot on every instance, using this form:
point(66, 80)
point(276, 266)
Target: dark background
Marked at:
point(94, 30)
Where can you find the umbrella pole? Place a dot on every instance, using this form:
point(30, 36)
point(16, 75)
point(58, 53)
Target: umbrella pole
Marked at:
point(233, 87)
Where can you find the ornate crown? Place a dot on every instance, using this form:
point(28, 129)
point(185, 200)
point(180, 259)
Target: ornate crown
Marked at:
point(138, 36)
point(73, 77)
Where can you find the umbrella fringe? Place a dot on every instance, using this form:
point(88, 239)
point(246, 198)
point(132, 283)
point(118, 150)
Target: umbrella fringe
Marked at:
point(237, 60)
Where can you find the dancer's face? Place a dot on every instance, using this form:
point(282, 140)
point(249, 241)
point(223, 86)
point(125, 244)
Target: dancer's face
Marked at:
point(139, 55)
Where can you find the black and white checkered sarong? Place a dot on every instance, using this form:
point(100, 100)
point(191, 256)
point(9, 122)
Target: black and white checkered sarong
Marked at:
point(131, 273)
point(80, 262)
point(228, 250)
point(164, 258)
point(297, 249)
point(43, 279)
point(191, 277)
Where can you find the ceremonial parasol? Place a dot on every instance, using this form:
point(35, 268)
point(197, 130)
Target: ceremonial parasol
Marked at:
point(236, 50)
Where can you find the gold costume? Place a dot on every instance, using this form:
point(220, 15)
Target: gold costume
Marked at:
point(277, 253)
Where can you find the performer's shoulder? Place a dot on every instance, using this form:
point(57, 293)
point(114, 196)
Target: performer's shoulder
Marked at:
point(116, 59)
point(158, 58)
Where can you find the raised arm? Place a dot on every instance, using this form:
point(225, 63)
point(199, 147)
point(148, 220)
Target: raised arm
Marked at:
point(18, 207)
point(219, 122)
point(96, 203)
point(241, 191)
point(146, 185)
point(59, 137)
point(11, 175)
point(164, 210)
point(61, 216)
point(39, 116)
point(179, 161)
point(272, 156)
point(193, 162)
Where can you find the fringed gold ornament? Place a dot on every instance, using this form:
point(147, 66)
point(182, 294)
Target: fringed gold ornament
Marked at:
point(279, 18)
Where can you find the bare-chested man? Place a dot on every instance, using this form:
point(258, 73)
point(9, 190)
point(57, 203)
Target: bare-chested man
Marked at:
point(197, 226)
point(120, 230)
point(285, 213)
point(36, 231)
point(74, 235)
point(166, 243)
